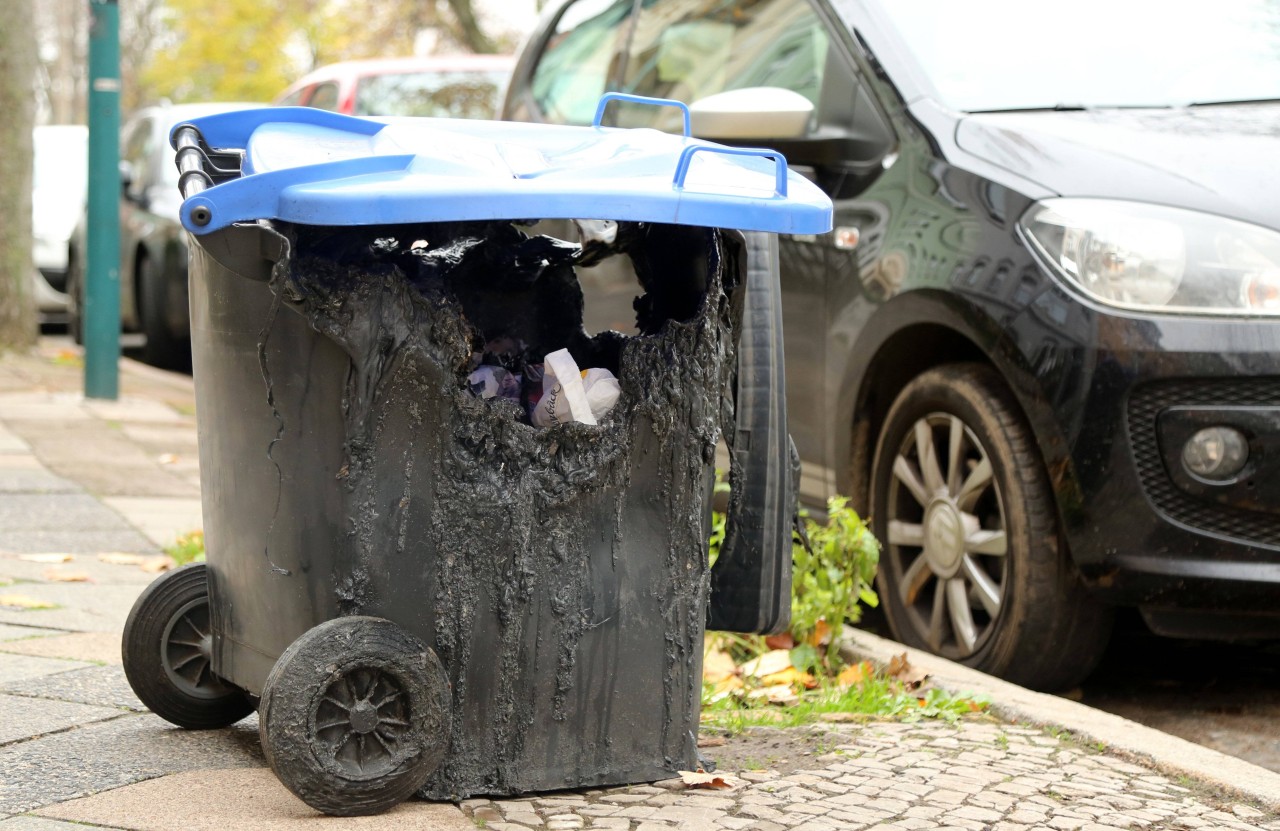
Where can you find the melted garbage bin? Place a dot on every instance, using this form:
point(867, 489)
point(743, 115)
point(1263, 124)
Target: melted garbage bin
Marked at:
point(428, 593)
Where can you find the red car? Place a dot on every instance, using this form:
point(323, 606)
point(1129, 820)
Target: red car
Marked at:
point(459, 86)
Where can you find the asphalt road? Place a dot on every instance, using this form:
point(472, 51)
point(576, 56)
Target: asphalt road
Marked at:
point(1221, 695)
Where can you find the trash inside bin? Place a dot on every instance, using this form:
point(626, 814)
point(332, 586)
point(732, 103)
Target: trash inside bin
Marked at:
point(456, 543)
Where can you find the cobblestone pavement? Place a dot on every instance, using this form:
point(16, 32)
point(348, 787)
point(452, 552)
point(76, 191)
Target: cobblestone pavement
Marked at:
point(971, 776)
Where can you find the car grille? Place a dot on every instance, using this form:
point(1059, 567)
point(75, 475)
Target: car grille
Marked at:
point(1146, 403)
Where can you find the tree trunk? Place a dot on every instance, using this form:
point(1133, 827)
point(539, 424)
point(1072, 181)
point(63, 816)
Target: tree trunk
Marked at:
point(469, 31)
point(17, 82)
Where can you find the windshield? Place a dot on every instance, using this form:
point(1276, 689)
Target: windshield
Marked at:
point(432, 94)
point(1031, 54)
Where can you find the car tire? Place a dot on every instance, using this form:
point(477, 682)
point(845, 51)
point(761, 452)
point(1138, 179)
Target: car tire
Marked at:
point(355, 716)
point(75, 300)
point(167, 650)
point(162, 348)
point(973, 565)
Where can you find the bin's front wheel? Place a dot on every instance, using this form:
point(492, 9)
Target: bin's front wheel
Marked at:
point(355, 716)
point(167, 649)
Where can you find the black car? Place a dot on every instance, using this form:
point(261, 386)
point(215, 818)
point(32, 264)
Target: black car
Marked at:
point(153, 244)
point(1041, 347)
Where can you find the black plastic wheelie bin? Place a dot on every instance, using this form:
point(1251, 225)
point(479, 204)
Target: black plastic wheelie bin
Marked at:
point(424, 589)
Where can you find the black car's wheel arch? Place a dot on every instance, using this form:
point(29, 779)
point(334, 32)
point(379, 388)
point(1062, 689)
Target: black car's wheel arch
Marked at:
point(916, 332)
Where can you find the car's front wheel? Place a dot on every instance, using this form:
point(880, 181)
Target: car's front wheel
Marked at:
point(163, 348)
point(974, 567)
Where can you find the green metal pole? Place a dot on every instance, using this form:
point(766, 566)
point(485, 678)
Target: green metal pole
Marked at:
point(101, 313)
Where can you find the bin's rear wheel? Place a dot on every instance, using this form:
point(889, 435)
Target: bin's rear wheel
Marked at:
point(355, 716)
point(167, 649)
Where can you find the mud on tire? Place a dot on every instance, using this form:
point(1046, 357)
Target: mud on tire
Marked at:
point(355, 716)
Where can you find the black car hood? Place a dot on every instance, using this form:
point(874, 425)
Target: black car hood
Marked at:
point(1219, 159)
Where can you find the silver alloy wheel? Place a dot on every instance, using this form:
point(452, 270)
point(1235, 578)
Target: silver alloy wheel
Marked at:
point(946, 543)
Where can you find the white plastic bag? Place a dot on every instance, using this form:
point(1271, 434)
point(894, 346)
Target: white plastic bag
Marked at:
point(571, 395)
point(602, 391)
point(564, 397)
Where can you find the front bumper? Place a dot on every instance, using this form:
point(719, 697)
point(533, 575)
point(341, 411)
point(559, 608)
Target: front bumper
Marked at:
point(50, 302)
point(1144, 531)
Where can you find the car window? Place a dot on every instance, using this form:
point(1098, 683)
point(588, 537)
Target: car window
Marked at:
point(579, 60)
point(139, 145)
point(293, 99)
point(689, 49)
point(432, 94)
point(325, 97)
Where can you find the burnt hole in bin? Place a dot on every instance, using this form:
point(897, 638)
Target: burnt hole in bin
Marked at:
point(520, 295)
point(525, 556)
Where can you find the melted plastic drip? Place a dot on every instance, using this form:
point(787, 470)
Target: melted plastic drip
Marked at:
point(512, 510)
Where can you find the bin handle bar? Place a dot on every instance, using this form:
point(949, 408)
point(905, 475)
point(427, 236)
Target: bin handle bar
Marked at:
point(642, 99)
point(192, 178)
point(780, 162)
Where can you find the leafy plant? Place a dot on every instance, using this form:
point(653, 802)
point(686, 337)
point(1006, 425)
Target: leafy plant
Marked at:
point(833, 575)
point(188, 548)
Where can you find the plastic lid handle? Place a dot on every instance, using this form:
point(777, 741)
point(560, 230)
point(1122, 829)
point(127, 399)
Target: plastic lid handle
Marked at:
point(640, 99)
point(779, 161)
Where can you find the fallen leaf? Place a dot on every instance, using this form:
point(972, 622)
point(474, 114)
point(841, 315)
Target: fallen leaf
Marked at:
point(790, 675)
point(157, 564)
point(58, 576)
point(709, 781)
point(783, 641)
point(117, 558)
point(168, 458)
point(717, 666)
point(821, 634)
point(46, 558)
point(777, 694)
point(855, 674)
point(21, 601)
point(767, 664)
point(727, 685)
point(901, 669)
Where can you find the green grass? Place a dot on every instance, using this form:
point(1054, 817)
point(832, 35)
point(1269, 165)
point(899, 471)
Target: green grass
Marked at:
point(874, 698)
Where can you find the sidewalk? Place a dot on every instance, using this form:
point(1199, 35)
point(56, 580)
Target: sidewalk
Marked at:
point(83, 479)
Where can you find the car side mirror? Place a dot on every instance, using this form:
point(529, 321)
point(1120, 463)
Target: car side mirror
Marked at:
point(751, 113)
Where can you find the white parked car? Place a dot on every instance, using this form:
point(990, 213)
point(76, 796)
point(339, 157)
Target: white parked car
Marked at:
point(59, 187)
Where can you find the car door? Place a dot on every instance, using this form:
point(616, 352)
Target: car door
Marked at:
point(690, 50)
point(137, 150)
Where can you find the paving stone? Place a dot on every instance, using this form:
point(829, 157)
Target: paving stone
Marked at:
point(126, 749)
point(10, 633)
point(30, 823)
point(102, 686)
point(15, 668)
point(28, 718)
point(91, 647)
point(37, 481)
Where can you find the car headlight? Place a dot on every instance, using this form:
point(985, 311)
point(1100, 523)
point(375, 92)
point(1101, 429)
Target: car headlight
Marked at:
point(1155, 258)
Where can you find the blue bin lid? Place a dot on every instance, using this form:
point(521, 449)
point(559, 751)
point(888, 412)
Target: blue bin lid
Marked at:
point(319, 168)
